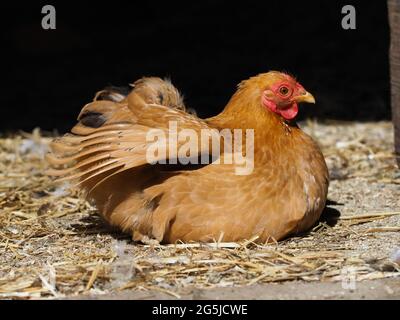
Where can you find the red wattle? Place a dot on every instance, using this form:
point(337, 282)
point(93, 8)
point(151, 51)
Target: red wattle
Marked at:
point(289, 113)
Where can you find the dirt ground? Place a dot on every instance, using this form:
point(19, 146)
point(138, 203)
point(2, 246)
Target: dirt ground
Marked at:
point(53, 245)
point(385, 289)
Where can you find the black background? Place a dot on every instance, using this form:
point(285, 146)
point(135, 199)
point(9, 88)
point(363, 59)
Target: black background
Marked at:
point(205, 47)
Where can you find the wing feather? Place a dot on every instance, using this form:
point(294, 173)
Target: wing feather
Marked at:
point(96, 154)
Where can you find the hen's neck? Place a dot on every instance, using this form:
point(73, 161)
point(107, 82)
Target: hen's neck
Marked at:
point(271, 131)
point(277, 144)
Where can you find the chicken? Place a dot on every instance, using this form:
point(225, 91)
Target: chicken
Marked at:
point(283, 192)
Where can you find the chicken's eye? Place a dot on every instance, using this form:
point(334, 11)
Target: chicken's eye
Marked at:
point(284, 91)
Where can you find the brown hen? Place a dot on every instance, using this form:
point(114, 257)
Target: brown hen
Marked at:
point(107, 153)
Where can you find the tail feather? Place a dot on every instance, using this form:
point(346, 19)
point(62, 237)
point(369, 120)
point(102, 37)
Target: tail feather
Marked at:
point(110, 136)
point(113, 93)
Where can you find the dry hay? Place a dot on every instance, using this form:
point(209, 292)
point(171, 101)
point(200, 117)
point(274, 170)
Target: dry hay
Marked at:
point(52, 243)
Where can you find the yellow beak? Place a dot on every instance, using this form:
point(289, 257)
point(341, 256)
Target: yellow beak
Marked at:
point(307, 97)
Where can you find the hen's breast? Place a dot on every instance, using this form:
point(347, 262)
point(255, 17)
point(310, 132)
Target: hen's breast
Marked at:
point(302, 180)
point(314, 174)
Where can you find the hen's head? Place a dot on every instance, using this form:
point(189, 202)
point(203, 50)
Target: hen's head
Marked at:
point(277, 92)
